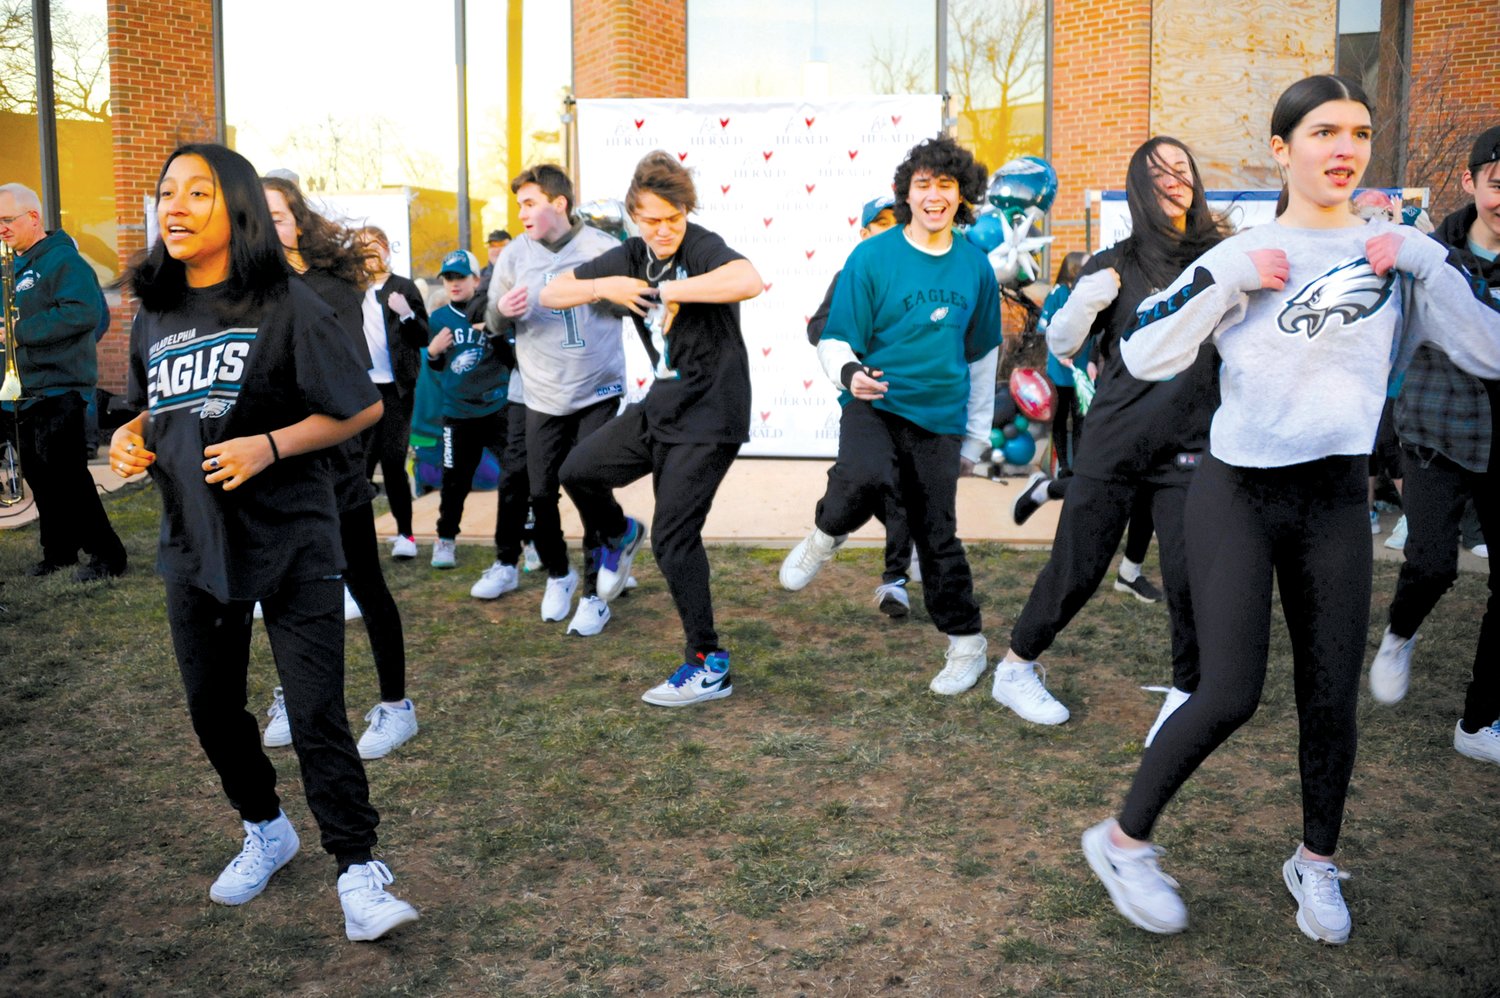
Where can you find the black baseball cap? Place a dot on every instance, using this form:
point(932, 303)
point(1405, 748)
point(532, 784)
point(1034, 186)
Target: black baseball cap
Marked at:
point(1486, 149)
point(497, 236)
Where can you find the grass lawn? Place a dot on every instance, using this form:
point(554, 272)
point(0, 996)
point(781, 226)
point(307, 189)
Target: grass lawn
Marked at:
point(831, 829)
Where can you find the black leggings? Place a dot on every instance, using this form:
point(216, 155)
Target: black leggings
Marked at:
point(366, 584)
point(1094, 515)
point(1305, 524)
point(388, 449)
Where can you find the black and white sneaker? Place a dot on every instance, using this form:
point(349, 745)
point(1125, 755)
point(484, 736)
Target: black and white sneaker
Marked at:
point(893, 600)
point(1140, 587)
point(1025, 505)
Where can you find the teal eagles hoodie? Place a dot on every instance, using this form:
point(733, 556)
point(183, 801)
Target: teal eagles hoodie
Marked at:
point(60, 307)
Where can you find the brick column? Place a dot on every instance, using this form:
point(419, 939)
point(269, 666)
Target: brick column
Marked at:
point(161, 85)
point(630, 50)
point(1451, 99)
point(1101, 103)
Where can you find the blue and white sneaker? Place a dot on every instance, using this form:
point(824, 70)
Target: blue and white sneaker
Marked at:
point(694, 682)
point(592, 615)
point(614, 562)
point(269, 845)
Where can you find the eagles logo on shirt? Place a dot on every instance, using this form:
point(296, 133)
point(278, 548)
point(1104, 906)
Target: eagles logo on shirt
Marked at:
point(1351, 290)
point(465, 362)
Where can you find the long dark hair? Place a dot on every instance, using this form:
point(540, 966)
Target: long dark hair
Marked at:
point(1155, 245)
point(322, 243)
point(257, 267)
point(941, 157)
point(1301, 99)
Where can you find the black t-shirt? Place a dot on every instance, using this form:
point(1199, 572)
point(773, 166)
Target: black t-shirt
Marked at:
point(1135, 429)
point(702, 390)
point(351, 485)
point(204, 382)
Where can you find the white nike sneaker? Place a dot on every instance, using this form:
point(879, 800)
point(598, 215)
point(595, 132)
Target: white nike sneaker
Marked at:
point(558, 599)
point(496, 581)
point(592, 615)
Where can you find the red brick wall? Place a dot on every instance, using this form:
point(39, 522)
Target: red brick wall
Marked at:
point(1454, 48)
point(161, 85)
point(634, 49)
point(1101, 103)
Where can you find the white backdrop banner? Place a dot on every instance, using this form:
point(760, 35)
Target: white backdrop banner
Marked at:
point(783, 182)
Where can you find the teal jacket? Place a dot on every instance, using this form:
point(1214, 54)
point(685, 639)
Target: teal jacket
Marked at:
point(60, 308)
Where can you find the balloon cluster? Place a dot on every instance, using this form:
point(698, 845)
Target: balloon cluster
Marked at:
point(1021, 421)
point(1020, 194)
point(607, 215)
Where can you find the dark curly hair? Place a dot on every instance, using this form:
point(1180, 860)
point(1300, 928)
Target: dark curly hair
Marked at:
point(660, 173)
point(942, 157)
point(322, 243)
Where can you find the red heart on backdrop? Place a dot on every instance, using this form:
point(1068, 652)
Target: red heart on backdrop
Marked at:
point(768, 288)
point(810, 253)
point(853, 153)
point(767, 221)
point(682, 156)
point(895, 119)
point(810, 121)
point(765, 351)
point(809, 187)
point(765, 416)
point(724, 188)
point(723, 122)
point(852, 219)
point(639, 122)
point(767, 155)
point(640, 382)
point(807, 383)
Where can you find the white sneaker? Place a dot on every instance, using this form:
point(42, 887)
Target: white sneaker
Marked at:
point(1017, 687)
point(1397, 540)
point(444, 553)
point(351, 606)
point(369, 910)
point(614, 562)
point(269, 846)
point(496, 581)
point(1321, 913)
point(1480, 551)
point(389, 727)
point(279, 731)
point(592, 615)
point(1175, 698)
point(1136, 885)
point(804, 561)
point(965, 664)
point(1483, 744)
point(694, 682)
point(914, 570)
point(529, 558)
point(892, 599)
point(403, 548)
point(258, 612)
point(558, 599)
point(1390, 673)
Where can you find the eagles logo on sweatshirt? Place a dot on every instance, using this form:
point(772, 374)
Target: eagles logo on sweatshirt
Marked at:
point(1351, 290)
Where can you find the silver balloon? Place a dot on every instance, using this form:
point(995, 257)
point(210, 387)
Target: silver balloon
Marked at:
point(1017, 260)
point(607, 215)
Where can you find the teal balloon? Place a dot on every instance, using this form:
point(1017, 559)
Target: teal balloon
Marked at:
point(1020, 449)
point(987, 232)
point(996, 437)
point(1022, 422)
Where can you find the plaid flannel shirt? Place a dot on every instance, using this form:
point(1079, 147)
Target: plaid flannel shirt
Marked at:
point(1441, 407)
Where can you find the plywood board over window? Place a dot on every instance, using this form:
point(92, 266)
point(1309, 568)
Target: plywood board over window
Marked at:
point(1217, 69)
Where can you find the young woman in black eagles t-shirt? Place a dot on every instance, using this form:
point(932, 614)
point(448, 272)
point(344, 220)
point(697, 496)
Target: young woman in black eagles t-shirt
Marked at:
point(243, 380)
point(684, 286)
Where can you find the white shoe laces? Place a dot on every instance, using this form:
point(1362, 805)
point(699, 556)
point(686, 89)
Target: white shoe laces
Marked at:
point(255, 851)
point(811, 557)
point(1031, 687)
point(1321, 880)
point(376, 875)
point(377, 716)
point(278, 705)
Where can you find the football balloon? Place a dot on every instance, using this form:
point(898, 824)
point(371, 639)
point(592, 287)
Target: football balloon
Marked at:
point(1033, 393)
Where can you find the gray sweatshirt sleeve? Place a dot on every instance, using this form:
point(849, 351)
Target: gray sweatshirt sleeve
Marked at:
point(1450, 311)
point(1171, 326)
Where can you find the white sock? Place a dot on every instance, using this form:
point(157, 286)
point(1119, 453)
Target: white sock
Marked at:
point(1129, 570)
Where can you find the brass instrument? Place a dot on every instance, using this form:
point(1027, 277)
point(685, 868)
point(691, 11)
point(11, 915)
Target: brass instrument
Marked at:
point(12, 490)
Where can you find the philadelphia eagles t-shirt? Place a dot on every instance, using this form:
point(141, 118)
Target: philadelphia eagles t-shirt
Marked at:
point(701, 394)
point(205, 381)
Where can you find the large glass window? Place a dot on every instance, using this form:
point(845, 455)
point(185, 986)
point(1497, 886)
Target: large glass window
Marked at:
point(361, 101)
point(816, 49)
point(80, 86)
point(997, 58)
point(1359, 43)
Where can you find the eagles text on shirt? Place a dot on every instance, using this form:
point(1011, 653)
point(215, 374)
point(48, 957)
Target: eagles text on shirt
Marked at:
point(204, 372)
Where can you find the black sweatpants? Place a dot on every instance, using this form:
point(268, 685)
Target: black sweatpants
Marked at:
point(1094, 516)
point(388, 448)
point(366, 582)
point(892, 516)
point(879, 451)
point(305, 622)
point(70, 515)
point(684, 479)
point(549, 440)
point(1434, 496)
point(1307, 525)
point(464, 440)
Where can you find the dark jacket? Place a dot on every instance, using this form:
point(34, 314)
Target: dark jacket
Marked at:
point(405, 339)
point(60, 306)
point(1440, 407)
